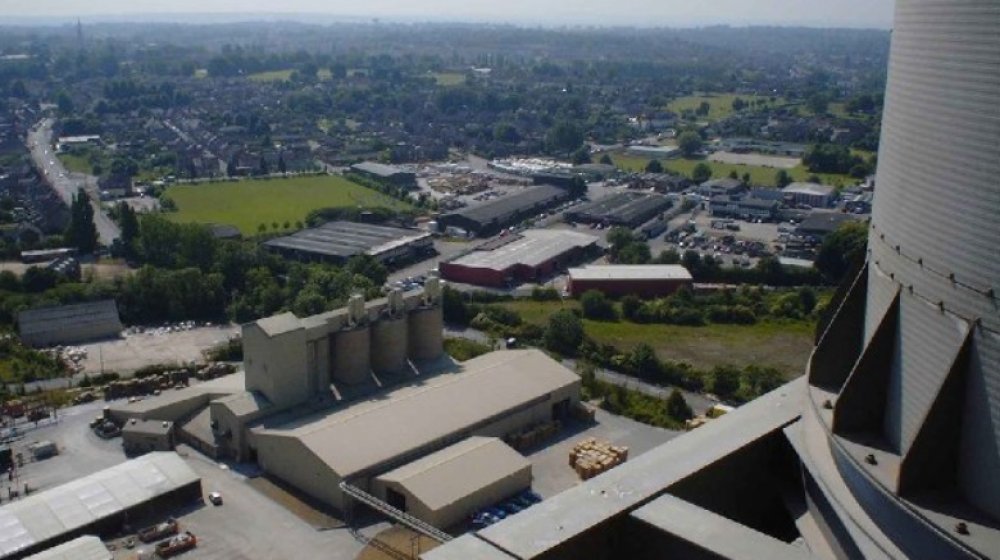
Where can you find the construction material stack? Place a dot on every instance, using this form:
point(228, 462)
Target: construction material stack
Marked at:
point(592, 457)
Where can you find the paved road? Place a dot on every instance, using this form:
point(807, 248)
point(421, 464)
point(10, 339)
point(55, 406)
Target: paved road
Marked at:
point(698, 402)
point(67, 184)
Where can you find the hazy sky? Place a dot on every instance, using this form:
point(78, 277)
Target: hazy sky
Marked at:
point(660, 13)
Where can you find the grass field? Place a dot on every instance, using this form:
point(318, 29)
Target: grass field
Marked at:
point(720, 104)
point(76, 163)
point(782, 345)
point(272, 76)
point(758, 175)
point(247, 204)
point(447, 79)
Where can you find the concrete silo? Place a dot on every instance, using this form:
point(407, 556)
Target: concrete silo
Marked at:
point(352, 346)
point(426, 325)
point(389, 336)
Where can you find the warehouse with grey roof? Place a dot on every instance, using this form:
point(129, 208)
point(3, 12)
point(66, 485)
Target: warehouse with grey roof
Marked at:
point(69, 324)
point(336, 242)
point(628, 209)
point(96, 504)
point(490, 217)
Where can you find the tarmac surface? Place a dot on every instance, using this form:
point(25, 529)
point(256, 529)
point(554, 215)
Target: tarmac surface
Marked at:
point(67, 184)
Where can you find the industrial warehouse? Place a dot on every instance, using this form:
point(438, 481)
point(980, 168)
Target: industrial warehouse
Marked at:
point(527, 256)
point(627, 209)
point(647, 281)
point(336, 242)
point(96, 504)
point(364, 398)
point(69, 324)
point(489, 218)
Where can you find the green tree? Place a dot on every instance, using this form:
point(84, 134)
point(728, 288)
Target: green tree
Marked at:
point(701, 173)
point(64, 103)
point(818, 103)
point(689, 142)
point(807, 299)
point(564, 137)
point(564, 333)
point(703, 109)
point(725, 381)
point(739, 104)
point(581, 156)
point(606, 160)
point(840, 249)
point(642, 362)
point(677, 408)
point(654, 166)
point(596, 306)
point(82, 231)
point(129, 224)
point(782, 179)
point(631, 305)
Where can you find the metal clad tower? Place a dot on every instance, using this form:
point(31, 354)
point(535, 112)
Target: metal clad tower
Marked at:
point(935, 237)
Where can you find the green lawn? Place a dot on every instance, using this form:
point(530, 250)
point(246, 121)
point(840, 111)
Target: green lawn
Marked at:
point(447, 79)
point(247, 204)
point(76, 163)
point(758, 175)
point(720, 104)
point(784, 345)
point(271, 76)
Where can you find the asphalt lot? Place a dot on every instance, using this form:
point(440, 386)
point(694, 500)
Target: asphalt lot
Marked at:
point(131, 352)
point(65, 183)
point(550, 464)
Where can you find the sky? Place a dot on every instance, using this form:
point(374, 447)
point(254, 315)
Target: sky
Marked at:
point(646, 13)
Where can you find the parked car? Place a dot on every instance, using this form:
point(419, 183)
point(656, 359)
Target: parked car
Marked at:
point(215, 498)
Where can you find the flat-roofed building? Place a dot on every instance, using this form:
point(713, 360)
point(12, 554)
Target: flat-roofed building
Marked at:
point(628, 209)
point(97, 504)
point(445, 487)
point(145, 436)
point(493, 395)
point(337, 242)
point(811, 194)
point(645, 280)
point(69, 324)
point(524, 257)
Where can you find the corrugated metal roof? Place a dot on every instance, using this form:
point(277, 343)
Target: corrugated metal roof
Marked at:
point(808, 188)
point(407, 418)
point(83, 548)
point(347, 239)
point(505, 206)
point(80, 315)
point(458, 471)
point(631, 272)
point(48, 514)
point(535, 247)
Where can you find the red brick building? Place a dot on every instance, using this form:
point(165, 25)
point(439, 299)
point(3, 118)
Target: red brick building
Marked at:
point(525, 257)
point(645, 281)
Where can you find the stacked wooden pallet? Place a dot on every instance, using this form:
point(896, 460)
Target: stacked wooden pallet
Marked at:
point(592, 457)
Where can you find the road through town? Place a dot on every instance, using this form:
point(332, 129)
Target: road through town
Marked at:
point(66, 183)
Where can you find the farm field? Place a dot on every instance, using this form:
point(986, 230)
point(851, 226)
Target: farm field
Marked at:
point(250, 203)
point(271, 76)
point(784, 345)
point(448, 79)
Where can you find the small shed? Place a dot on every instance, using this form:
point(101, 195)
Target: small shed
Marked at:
point(144, 436)
point(446, 487)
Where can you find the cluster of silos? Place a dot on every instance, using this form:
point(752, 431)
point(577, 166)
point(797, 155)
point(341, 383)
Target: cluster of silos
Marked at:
point(384, 338)
point(426, 325)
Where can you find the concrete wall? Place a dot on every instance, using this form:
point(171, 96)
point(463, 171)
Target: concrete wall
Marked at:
point(277, 366)
point(288, 459)
point(426, 334)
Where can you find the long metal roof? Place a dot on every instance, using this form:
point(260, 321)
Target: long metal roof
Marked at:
point(74, 505)
point(535, 247)
point(87, 547)
point(511, 204)
point(347, 239)
point(79, 315)
point(444, 477)
point(631, 272)
point(391, 424)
